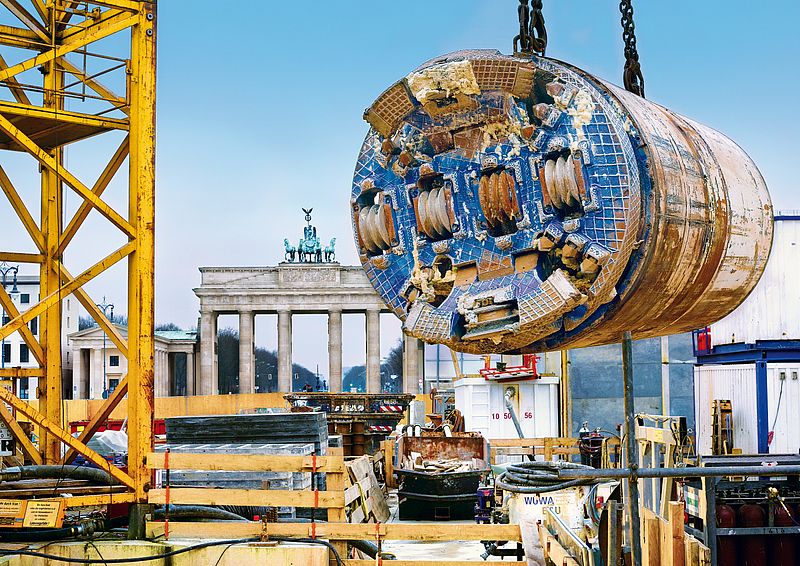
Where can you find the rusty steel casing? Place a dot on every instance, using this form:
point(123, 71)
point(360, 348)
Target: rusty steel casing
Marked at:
point(508, 204)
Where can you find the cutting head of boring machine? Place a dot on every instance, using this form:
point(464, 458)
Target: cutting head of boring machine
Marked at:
point(497, 204)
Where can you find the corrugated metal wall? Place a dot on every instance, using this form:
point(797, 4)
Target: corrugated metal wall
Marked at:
point(783, 393)
point(772, 310)
point(736, 383)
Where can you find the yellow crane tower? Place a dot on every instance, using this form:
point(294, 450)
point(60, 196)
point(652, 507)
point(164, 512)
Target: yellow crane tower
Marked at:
point(75, 46)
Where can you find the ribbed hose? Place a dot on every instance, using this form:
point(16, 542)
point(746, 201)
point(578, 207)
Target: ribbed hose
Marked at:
point(539, 477)
point(367, 547)
point(370, 549)
point(85, 528)
point(42, 535)
point(509, 394)
point(197, 512)
point(94, 475)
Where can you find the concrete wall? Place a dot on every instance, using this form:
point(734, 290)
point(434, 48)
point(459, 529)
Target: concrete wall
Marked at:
point(596, 381)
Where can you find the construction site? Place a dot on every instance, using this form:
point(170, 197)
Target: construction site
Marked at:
point(595, 297)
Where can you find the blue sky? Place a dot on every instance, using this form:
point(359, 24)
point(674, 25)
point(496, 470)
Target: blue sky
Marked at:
point(260, 104)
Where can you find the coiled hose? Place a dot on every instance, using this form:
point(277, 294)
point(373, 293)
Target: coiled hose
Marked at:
point(539, 477)
point(57, 472)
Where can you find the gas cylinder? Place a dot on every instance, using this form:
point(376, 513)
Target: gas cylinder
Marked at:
point(726, 545)
point(753, 548)
point(783, 548)
point(520, 204)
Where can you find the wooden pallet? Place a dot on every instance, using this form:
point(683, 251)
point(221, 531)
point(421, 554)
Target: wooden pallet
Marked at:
point(365, 501)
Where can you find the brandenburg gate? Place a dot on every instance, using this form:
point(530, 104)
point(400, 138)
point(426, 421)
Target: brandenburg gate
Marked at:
point(285, 290)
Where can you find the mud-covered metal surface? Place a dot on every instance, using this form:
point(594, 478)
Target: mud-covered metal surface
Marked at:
point(460, 446)
point(507, 204)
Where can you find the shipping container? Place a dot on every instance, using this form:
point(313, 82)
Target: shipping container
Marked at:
point(783, 394)
point(738, 384)
point(772, 310)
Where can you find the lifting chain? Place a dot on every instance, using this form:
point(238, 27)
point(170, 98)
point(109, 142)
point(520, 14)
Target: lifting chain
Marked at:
point(632, 75)
point(532, 36)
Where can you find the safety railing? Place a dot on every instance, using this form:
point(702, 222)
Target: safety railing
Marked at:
point(334, 499)
point(564, 447)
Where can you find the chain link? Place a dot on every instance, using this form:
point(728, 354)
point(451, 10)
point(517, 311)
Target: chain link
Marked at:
point(532, 36)
point(522, 41)
point(632, 75)
point(538, 33)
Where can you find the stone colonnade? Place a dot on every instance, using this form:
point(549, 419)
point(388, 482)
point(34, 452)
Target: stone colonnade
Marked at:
point(286, 290)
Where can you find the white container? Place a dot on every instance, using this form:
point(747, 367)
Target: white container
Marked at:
point(784, 407)
point(566, 503)
point(483, 405)
point(737, 383)
point(772, 310)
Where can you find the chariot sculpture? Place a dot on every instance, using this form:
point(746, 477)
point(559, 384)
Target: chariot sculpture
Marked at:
point(309, 249)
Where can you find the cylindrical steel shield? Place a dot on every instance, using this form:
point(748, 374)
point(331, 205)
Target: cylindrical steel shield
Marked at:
point(510, 204)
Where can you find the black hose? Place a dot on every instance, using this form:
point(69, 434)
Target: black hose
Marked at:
point(365, 546)
point(332, 548)
point(87, 473)
point(509, 393)
point(54, 558)
point(38, 535)
point(196, 512)
point(539, 477)
point(370, 549)
point(87, 527)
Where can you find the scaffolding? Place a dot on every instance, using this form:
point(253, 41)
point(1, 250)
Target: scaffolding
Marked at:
point(67, 53)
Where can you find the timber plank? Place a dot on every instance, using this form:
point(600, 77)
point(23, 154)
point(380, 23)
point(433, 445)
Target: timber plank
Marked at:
point(247, 497)
point(553, 550)
point(652, 546)
point(246, 462)
point(355, 562)
point(529, 442)
point(431, 532)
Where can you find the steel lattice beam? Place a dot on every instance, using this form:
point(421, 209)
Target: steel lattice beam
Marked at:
point(50, 31)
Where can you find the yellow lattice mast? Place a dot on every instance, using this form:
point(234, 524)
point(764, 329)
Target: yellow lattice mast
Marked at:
point(57, 37)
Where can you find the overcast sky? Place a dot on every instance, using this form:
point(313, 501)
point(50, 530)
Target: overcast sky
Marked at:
point(260, 104)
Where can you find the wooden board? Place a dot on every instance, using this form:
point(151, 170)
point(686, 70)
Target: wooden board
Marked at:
point(249, 497)
point(553, 550)
point(362, 475)
point(246, 462)
point(432, 532)
point(429, 563)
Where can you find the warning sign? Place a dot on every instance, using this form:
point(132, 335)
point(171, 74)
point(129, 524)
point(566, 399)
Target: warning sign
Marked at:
point(12, 512)
point(42, 513)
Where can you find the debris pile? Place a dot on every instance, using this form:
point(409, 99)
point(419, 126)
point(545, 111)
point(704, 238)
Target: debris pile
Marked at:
point(414, 461)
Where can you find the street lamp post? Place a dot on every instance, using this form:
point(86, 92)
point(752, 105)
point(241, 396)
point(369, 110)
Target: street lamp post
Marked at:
point(103, 306)
point(5, 269)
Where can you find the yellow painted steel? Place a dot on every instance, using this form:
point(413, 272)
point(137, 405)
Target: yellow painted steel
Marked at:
point(49, 391)
point(27, 446)
point(60, 115)
point(100, 417)
point(21, 210)
point(50, 30)
point(49, 427)
point(98, 188)
point(25, 331)
point(141, 264)
point(18, 93)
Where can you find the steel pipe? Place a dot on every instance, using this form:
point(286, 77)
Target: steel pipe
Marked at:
point(631, 450)
point(713, 472)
